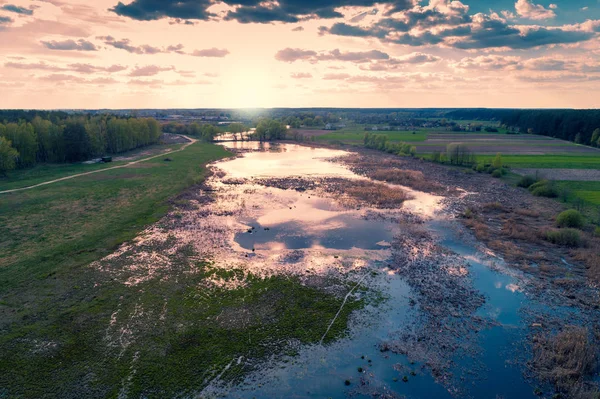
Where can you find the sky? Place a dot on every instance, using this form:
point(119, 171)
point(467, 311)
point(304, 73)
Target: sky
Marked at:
point(81, 54)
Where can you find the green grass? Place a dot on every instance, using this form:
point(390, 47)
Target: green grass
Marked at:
point(356, 136)
point(548, 161)
point(589, 191)
point(56, 336)
point(43, 172)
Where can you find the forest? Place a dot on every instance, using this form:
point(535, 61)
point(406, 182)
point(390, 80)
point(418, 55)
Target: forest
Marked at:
point(71, 139)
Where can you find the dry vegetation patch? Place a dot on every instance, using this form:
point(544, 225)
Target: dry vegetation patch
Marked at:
point(411, 178)
point(376, 194)
point(567, 360)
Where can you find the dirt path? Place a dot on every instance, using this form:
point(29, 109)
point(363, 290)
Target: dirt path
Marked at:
point(183, 147)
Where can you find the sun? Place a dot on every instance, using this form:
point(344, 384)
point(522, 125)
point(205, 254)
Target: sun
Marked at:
point(245, 86)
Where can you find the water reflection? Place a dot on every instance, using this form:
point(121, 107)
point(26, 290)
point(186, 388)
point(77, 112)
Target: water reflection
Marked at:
point(284, 160)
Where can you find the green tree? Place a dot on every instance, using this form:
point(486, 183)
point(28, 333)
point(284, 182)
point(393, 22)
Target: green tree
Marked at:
point(8, 156)
point(270, 129)
point(236, 128)
point(596, 138)
point(497, 163)
point(76, 141)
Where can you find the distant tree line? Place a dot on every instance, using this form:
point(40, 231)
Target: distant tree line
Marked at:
point(73, 139)
point(203, 131)
point(17, 115)
point(380, 142)
point(579, 126)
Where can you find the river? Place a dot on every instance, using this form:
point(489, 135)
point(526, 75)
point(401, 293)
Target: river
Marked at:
point(281, 223)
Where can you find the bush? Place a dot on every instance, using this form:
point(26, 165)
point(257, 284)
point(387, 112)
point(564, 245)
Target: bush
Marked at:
point(565, 237)
point(597, 232)
point(544, 188)
point(570, 218)
point(497, 173)
point(526, 181)
point(480, 168)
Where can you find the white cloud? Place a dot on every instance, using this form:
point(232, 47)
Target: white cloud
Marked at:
point(526, 9)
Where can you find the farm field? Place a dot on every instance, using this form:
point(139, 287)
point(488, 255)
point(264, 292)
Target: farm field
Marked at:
point(356, 136)
point(524, 150)
point(589, 191)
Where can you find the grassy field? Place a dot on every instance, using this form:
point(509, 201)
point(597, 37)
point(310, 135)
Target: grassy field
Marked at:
point(351, 136)
point(549, 161)
point(43, 172)
point(68, 330)
point(589, 191)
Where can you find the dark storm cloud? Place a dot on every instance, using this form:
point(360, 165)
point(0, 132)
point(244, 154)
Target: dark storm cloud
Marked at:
point(70, 45)
point(5, 20)
point(17, 9)
point(247, 11)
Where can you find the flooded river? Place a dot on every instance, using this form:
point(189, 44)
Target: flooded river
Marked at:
point(441, 317)
point(296, 230)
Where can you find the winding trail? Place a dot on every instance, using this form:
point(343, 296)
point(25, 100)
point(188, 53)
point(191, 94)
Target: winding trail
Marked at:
point(183, 147)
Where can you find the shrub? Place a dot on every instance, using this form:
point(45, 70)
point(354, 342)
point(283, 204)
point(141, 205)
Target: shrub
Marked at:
point(544, 188)
point(597, 232)
point(565, 237)
point(570, 218)
point(459, 154)
point(480, 168)
point(526, 181)
point(497, 173)
point(497, 162)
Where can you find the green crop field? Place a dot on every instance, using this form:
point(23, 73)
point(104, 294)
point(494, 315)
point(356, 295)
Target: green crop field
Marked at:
point(589, 191)
point(550, 161)
point(356, 136)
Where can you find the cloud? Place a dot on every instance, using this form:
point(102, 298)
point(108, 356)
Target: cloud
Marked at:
point(148, 10)
point(526, 9)
point(489, 63)
point(70, 45)
point(61, 78)
point(292, 55)
point(32, 66)
point(89, 68)
point(301, 75)
point(78, 67)
point(394, 63)
point(446, 23)
point(149, 70)
point(125, 44)
point(5, 20)
point(298, 29)
point(246, 11)
point(336, 76)
point(211, 52)
point(17, 9)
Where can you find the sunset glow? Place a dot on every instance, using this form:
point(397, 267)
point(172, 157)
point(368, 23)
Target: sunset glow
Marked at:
point(205, 53)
